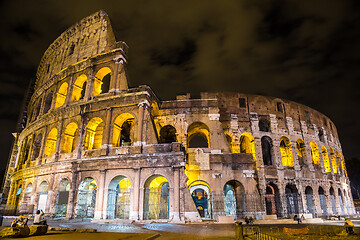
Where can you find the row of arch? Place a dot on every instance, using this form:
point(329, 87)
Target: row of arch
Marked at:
point(291, 202)
point(100, 85)
point(118, 206)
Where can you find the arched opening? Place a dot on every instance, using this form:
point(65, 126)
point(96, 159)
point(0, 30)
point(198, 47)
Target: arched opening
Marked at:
point(323, 204)
point(24, 153)
point(18, 195)
point(123, 130)
point(168, 134)
point(301, 151)
point(198, 135)
point(156, 198)
point(332, 200)
point(118, 206)
point(61, 95)
point(333, 160)
point(314, 153)
point(27, 198)
point(325, 156)
point(48, 101)
point(69, 138)
point(36, 110)
point(341, 202)
point(343, 165)
point(292, 199)
point(272, 200)
point(94, 133)
point(79, 88)
point(201, 195)
point(247, 144)
point(86, 198)
point(234, 199)
point(102, 81)
point(286, 152)
point(309, 196)
point(338, 160)
point(37, 146)
point(267, 150)
point(51, 142)
point(43, 195)
point(264, 125)
point(62, 198)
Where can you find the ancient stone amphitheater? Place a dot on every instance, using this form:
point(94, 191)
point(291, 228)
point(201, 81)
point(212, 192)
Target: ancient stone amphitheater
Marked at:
point(95, 148)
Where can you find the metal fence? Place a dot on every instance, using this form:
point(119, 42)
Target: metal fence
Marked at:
point(156, 204)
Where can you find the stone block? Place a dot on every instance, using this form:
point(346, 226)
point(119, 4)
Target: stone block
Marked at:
point(13, 232)
point(38, 230)
point(226, 219)
point(269, 217)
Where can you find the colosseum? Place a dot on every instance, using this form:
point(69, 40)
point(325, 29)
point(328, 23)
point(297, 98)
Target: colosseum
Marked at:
point(95, 148)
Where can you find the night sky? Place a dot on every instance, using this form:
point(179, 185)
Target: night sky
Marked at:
point(305, 51)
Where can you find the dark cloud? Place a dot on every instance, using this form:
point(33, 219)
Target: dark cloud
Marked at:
point(306, 51)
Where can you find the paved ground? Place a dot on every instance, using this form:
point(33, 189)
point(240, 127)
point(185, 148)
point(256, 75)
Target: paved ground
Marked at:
point(107, 231)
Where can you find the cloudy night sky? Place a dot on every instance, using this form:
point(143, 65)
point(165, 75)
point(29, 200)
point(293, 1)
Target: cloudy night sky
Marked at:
point(305, 51)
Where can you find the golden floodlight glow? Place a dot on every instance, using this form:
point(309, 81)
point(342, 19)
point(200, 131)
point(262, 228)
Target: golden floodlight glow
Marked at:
point(315, 153)
point(286, 152)
point(69, 138)
point(119, 128)
point(79, 88)
point(325, 156)
point(51, 142)
point(93, 133)
point(99, 80)
point(247, 144)
point(333, 160)
point(61, 95)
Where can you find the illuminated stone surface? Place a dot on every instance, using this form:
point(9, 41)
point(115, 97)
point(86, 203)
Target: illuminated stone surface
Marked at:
point(95, 148)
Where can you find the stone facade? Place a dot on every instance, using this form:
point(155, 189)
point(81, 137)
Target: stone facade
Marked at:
point(95, 148)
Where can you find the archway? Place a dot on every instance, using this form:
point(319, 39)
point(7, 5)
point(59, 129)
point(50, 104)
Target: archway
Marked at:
point(43, 195)
point(62, 198)
point(102, 81)
point(267, 150)
point(301, 151)
point(309, 196)
point(247, 144)
point(234, 199)
point(341, 202)
point(86, 198)
point(37, 146)
point(332, 200)
point(325, 156)
point(198, 135)
point(118, 205)
point(156, 198)
point(51, 142)
point(314, 153)
point(94, 133)
point(323, 204)
point(272, 200)
point(286, 152)
point(168, 134)
point(123, 130)
point(70, 138)
point(333, 160)
point(61, 95)
point(79, 88)
point(201, 195)
point(292, 199)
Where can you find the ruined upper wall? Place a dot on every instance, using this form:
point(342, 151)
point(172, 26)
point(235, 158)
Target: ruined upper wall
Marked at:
point(91, 36)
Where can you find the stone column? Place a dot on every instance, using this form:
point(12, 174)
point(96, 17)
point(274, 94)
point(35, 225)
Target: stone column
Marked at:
point(107, 131)
point(50, 198)
point(176, 196)
point(72, 195)
point(135, 194)
point(69, 92)
point(36, 195)
point(100, 196)
point(89, 84)
point(58, 140)
point(79, 144)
